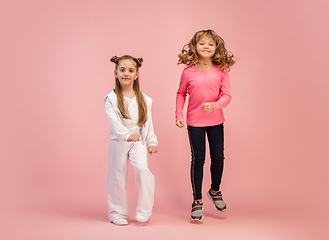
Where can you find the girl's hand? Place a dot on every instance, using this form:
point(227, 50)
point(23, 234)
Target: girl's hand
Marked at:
point(152, 149)
point(180, 123)
point(133, 137)
point(208, 107)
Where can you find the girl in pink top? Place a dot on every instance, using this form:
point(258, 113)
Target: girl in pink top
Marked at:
point(207, 83)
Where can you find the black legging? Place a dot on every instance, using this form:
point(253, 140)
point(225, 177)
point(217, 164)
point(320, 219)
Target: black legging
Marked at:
point(198, 149)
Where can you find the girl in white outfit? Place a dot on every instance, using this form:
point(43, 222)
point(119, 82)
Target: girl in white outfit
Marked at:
point(131, 135)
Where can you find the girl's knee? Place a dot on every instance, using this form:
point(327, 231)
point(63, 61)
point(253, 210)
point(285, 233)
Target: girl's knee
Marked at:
point(140, 167)
point(198, 161)
point(217, 160)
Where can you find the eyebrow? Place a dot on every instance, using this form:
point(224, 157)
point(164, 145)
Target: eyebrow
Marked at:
point(209, 42)
point(205, 40)
point(127, 68)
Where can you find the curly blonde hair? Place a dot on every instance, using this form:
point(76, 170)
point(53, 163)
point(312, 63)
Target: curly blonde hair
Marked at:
point(223, 58)
point(142, 108)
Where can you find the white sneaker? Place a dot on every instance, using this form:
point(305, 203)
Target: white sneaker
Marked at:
point(141, 218)
point(120, 221)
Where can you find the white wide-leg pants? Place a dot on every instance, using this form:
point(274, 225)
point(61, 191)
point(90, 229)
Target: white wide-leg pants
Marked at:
point(119, 154)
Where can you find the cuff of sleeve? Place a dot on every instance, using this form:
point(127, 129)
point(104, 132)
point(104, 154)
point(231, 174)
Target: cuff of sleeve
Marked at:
point(179, 116)
point(152, 142)
point(126, 136)
point(216, 106)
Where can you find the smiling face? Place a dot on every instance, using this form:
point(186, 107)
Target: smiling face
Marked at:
point(126, 72)
point(206, 47)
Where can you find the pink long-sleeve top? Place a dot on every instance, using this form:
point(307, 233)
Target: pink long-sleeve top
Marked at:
point(202, 86)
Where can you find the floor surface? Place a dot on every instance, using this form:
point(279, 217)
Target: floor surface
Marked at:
point(65, 219)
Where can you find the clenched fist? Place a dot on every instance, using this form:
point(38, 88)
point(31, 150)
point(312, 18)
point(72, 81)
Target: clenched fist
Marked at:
point(208, 107)
point(180, 123)
point(152, 149)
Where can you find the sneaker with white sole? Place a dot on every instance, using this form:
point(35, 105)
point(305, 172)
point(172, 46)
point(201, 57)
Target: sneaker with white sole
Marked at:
point(196, 212)
point(217, 199)
point(120, 221)
point(141, 218)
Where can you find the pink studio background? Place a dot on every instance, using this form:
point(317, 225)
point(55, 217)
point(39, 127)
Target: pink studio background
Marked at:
point(55, 74)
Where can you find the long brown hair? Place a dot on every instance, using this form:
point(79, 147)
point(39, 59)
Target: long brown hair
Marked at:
point(223, 58)
point(142, 108)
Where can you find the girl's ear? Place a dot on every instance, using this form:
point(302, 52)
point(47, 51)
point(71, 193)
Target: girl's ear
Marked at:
point(137, 74)
point(115, 74)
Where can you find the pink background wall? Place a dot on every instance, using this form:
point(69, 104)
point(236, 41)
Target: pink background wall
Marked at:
point(55, 74)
